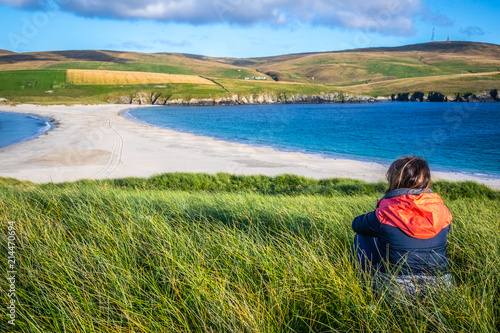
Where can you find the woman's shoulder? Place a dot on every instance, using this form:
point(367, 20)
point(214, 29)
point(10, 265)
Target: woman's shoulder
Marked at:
point(419, 213)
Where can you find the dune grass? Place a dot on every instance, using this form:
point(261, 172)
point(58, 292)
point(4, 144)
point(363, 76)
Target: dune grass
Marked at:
point(223, 253)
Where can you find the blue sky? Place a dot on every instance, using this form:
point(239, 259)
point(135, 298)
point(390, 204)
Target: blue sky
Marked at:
point(240, 28)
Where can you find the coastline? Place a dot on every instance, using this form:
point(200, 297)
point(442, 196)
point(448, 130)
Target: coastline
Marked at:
point(97, 141)
point(142, 98)
point(49, 125)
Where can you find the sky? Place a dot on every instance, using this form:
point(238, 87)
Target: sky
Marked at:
point(241, 28)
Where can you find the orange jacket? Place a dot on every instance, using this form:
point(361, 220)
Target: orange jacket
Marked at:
point(419, 216)
point(411, 229)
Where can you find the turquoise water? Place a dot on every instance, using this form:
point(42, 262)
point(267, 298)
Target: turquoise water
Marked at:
point(459, 137)
point(18, 127)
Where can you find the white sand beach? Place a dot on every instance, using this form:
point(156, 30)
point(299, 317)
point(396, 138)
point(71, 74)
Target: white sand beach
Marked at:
point(96, 142)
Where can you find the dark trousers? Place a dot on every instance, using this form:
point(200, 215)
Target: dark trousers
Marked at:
point(367, 252)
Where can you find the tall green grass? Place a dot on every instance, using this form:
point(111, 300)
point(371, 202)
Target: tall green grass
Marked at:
point(221, 253)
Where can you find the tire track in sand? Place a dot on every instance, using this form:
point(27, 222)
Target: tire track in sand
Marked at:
point(116, 152)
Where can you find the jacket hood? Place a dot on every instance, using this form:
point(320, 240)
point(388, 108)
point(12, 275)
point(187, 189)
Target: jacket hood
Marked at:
point(420, 216)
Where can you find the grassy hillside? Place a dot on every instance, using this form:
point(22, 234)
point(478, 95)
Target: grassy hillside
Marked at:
point(235, 254)
point(125, 61)
point(449, 84)
point(51, 87)
point(361, 67)
point(447, 67)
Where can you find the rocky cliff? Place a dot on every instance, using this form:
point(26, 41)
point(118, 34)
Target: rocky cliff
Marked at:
point(154, 98)
point(267, 98)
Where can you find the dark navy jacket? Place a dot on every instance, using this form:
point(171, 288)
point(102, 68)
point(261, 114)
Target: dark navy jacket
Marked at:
point(411, 228)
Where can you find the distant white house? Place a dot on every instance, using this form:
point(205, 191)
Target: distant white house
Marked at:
point(256, 78)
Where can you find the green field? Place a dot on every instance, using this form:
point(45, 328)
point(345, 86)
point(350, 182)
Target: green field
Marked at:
point(38, 83)
point(201, 253)
point(31, 81)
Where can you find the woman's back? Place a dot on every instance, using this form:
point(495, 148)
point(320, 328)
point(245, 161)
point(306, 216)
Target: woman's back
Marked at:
point(414, 228)
point(404, 239)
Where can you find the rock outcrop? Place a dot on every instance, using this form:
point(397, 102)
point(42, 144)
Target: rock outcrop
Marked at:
point(143, 98)
point(469, 97)
point(494, 94)
point(436, 97)
point(154, 98)
point(418, 96)
point(401, 97)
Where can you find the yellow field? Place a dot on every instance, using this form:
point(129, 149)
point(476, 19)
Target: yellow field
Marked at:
point(101, 77)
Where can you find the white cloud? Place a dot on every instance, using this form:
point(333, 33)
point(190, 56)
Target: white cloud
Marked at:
point(385, 16)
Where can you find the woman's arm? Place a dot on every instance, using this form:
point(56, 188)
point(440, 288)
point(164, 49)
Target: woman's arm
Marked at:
point(366, 225)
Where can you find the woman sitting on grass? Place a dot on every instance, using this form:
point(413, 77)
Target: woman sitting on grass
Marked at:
point(403, 242)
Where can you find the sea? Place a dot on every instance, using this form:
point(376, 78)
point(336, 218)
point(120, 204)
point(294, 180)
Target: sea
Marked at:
point(452, 137)
point(18, 127)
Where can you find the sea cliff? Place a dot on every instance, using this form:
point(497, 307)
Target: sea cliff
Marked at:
point(154, 98)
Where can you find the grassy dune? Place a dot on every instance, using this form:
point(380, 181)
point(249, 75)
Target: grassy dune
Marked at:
point(202, 253)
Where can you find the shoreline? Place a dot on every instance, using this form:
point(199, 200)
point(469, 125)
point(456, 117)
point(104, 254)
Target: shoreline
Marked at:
point(271, 98)
point(98, 141)
point(50, 124)
point(363, 159)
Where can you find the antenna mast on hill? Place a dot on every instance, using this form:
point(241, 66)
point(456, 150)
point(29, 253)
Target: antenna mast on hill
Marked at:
point(432, 38)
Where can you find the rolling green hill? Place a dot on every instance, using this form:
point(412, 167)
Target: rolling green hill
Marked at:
point(447, 67)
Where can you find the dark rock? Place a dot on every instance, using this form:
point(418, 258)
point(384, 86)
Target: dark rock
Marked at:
point(469, 97)
point(436, 97)
point(403, 97)
point(160, 101)
point(154, 97)
point(417, 96)
point(494, 94)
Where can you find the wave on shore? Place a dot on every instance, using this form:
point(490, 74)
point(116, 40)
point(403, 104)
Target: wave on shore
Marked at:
point(17, 128)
